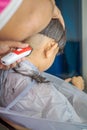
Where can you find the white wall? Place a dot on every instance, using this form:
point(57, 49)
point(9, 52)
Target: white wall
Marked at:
point(84, 39)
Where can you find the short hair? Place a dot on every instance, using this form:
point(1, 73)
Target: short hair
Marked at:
point(56, 31)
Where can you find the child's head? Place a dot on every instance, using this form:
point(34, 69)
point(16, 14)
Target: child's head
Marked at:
point(47, 44)
point(55, 31)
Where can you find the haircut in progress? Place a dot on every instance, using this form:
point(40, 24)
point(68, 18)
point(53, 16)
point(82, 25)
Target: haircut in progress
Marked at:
point(53, 35)
point(56, 31)
point(40, 98)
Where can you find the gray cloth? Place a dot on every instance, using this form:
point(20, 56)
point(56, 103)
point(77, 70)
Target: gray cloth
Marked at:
point(76, 97)
point(43, 100)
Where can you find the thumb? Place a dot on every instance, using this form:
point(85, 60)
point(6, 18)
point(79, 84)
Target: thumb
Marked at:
point(18, 45)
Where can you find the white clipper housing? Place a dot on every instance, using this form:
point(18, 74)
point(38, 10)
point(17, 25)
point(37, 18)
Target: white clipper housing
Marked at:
point(15, 55)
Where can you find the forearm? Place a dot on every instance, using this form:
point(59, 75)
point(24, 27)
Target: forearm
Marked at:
point(57, 14)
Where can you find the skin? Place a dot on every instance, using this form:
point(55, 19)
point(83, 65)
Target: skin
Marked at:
point(25, 23)
point(77, 81)
point(45, 49)
point(46, 54)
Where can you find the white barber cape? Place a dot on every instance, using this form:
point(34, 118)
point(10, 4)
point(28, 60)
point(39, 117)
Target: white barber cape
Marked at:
point(66, 111)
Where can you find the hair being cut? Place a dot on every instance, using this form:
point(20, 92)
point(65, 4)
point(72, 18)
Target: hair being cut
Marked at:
point(56, 31)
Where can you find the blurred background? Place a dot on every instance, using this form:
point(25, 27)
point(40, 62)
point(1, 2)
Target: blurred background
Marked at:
point(70, 62)
point(74, 59)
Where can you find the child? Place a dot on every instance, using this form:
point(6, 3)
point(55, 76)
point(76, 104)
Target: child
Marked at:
point(43, 100)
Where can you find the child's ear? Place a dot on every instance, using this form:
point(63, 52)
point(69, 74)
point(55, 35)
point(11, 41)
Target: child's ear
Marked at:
point(51, 50)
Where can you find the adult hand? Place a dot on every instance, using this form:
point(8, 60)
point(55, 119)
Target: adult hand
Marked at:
point(7, 46)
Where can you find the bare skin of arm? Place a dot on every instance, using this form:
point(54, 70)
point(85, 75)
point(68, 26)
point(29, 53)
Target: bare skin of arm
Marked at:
point(30, 18)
